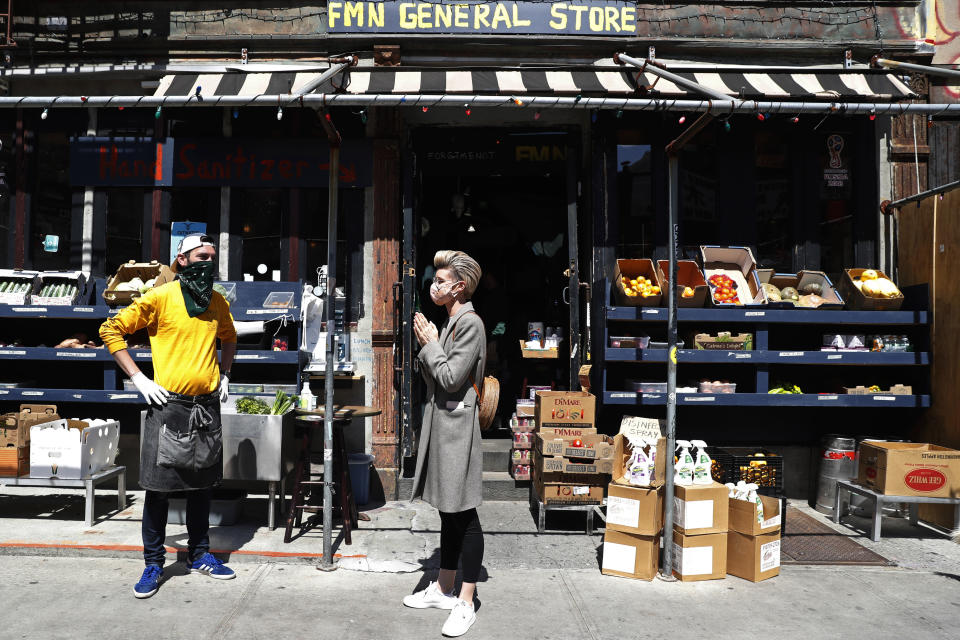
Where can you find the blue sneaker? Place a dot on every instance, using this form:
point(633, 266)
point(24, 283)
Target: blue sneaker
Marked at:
point(208, 565)
point(149, 581)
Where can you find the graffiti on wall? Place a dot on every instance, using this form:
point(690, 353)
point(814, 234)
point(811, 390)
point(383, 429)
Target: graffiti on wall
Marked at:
point(946, 34)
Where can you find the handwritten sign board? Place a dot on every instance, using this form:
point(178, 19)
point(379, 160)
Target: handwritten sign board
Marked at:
point(587, 17)
point(644, 428)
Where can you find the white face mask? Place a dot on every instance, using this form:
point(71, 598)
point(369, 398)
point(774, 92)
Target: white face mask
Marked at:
point(440, 290)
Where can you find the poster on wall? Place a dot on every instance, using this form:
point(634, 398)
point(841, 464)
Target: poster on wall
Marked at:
point(836, 169)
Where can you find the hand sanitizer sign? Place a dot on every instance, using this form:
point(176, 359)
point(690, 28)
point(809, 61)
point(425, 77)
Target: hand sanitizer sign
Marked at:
point(51, 243)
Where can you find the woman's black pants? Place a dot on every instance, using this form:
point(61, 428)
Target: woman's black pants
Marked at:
point(461, 538)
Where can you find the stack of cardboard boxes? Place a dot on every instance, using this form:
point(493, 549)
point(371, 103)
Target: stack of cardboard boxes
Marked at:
point(753, 543)
point(701, 514)
point(522, 426)
point(15, 437)
point(631, 544)
point(571, 462)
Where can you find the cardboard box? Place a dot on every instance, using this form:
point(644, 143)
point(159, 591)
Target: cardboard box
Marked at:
point(566, 409)
point(753, 558)
point(565, 492)
point(799, 281)
point(563, 432)
point(22, 278)
point(72, 448)
point(15, 427)
point(857, 300)
point(630, 556)
point(895, 390)
point(538, 353)
point(143, 270)
point(632, 268)
point(909, 469)
point(559, 464)
point(621, 455)
point(636, 510)
point(699, 557)
point(701, 509)
point(14, 461)
point(737, 263)
point(594, 446)
point(743, 516)
point(526, 408)
point(724, 340)
point(688, 275)
point(69, 278)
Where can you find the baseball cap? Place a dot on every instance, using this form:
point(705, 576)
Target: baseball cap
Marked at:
point(189, 243)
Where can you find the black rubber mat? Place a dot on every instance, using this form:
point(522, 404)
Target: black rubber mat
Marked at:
point(810, 542)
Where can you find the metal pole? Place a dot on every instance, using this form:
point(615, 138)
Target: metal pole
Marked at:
point(457, 101)
point(887, 206)
point(666, 571)
point(918, 68)
point(328, 409)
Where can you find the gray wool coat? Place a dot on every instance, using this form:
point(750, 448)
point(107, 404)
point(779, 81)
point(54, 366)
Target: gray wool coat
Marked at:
point(449, 472)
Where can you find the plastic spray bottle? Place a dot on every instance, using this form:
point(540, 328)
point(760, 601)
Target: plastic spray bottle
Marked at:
point(683, 472)
point(755, 498)
point(732, 488)
point(741, 491)
point(308, 401)
point(638, 467)
point(702, 464)
point(652, 457)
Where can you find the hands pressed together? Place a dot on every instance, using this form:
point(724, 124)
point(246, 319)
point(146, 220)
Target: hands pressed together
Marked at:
point(425, 330)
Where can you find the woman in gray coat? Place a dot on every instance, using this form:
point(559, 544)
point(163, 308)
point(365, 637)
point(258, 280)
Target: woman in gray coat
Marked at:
point(449, 464)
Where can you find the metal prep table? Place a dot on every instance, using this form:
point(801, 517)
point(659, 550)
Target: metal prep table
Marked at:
point(877, 500)
point(257, 448)
point(89, 484)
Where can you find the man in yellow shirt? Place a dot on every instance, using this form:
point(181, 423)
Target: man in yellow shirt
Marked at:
point(181, 448)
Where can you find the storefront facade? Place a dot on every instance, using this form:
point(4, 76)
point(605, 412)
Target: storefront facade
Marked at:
point(548, 199)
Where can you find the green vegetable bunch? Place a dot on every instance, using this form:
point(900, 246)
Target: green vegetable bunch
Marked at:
point(253, 406)
point(283, 403)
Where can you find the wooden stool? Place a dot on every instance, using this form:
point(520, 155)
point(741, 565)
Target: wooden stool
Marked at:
point(307, 422)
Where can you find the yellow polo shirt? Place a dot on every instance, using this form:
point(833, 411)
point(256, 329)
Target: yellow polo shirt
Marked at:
point(184, 349)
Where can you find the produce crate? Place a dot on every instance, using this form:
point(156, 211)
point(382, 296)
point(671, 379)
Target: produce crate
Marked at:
point(633, 268)
point(741, 457)
point(857, 300)
point(722, 468)
point(739, 264)
point(717, 387)
point(688, 275)
point(895, 390)
point(20, 284)
point(538, 353)
point(629, 342)
point(14, 461)
point(143, 270)
point(59, 288)
point(724, 341)
point(799, 281)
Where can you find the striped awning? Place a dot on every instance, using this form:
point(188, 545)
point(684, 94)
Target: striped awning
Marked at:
point(745, 83)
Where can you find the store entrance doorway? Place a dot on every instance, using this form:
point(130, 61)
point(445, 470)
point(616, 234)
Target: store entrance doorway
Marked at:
point(509, 200)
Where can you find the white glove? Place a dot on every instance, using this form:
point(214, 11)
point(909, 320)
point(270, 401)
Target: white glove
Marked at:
point(224, 388)
point(150, 390)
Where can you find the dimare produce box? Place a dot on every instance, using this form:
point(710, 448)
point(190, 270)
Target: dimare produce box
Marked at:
point(566, 409)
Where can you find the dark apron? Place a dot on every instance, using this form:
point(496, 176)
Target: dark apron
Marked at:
point(181, 447)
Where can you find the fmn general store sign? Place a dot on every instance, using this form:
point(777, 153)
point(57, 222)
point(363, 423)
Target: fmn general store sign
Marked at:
point(598, 18)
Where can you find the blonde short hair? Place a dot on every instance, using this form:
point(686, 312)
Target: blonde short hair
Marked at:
point(463, 266)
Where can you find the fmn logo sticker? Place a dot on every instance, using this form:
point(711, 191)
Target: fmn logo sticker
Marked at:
point(924, 479)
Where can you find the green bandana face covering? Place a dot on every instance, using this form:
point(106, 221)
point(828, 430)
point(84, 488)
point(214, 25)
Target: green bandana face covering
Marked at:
point(196, 283)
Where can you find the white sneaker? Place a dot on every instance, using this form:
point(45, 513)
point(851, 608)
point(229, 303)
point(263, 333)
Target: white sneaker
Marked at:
point(461, 618)
point(430, 598)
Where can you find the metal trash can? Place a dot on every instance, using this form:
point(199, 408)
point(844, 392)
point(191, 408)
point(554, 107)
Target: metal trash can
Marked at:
point(838, 462)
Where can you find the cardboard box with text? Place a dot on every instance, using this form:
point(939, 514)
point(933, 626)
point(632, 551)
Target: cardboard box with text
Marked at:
point(630, 556)
point(753, 558)
point(564, 432)
point(700, 509)
point(743, 516)
point(636, 510)
point(569, 490)
point(699, 557)
point(593, 446)
point(909, 469)
point(15, 427)
point(621, 456)
point(566, 409)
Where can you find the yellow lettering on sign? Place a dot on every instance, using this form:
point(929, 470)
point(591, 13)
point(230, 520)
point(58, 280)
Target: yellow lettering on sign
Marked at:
point(444, 15)
point(628, 19)
point(578, 9)
point(596, 19)
point(354, 11)
point(517, 22)
point(500, 15)
point(375, 14)
point(560, 18)
point(461, 16)
point(610, 15)
point(333, 13)
point(480, 16)
point(423, 16)
point(408, 15)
